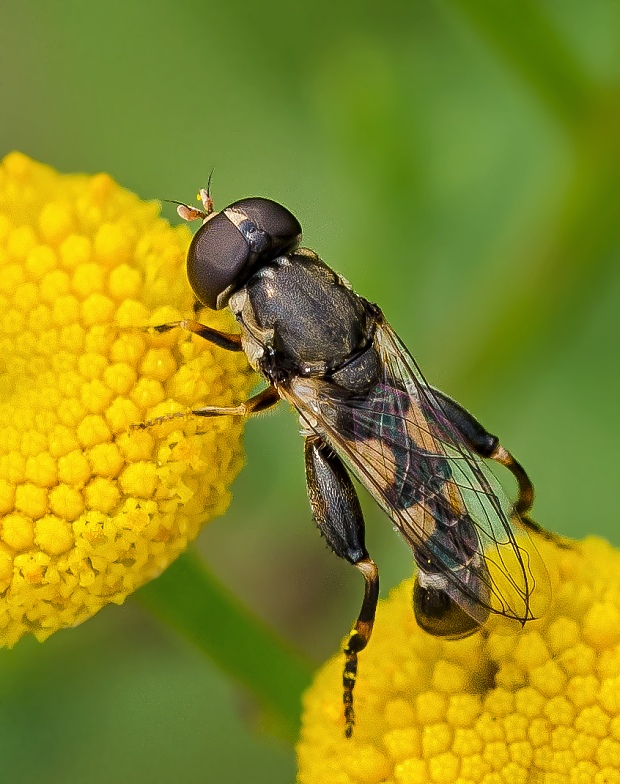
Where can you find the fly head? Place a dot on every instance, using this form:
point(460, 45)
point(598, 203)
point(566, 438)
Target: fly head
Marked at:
point(231, 245)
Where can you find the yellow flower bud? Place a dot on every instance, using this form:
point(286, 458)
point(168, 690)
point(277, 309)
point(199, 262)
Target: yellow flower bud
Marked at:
point(90, 509)
point(541, 704)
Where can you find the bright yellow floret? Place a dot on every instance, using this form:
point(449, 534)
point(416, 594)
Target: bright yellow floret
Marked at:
point(541, 706)
point(90, 509)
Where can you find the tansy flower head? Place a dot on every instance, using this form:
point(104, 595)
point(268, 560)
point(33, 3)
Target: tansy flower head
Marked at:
point(538, 707)
point(90, 509)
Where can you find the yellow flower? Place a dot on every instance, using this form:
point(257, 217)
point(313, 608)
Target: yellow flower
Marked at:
point(538, 707)
point(89, 508)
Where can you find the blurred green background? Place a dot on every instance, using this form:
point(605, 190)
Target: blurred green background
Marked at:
point(459, 162)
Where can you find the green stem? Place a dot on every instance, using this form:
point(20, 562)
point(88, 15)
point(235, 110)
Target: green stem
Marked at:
point(190, 599)
point(526, 38)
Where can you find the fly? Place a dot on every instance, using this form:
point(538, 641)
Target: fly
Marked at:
point(365, 409)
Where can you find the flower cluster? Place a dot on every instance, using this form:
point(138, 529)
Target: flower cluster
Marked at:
point(538, 707)
point(90, 508)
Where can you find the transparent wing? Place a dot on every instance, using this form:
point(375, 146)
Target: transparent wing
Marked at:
point(402, 447)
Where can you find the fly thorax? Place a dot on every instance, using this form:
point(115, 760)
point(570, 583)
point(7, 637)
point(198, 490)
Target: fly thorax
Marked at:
point(359, 374)
point(254, 339)
point(316, 320)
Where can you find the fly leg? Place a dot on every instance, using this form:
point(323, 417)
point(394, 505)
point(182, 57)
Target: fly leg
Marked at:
point(487, 445)
point(255, 405)
point(261, 402)
point(337, 512)
point(228, 341)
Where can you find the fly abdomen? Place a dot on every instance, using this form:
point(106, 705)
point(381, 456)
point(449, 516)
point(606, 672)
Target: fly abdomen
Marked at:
point(452, 544)
point(452, 547)
point(440, 615)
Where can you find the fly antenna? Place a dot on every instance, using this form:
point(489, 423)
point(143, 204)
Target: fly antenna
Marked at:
point(186, 212)
point(205, 196)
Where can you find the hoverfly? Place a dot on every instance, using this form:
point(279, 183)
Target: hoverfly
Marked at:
point(365, 409)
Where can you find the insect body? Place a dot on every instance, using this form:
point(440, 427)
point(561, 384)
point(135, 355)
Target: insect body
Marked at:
point(364, 409)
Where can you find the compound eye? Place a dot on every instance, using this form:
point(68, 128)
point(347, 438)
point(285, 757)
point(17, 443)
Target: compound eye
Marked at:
point(216, 260)
point(271, 228)
point(438, 614)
